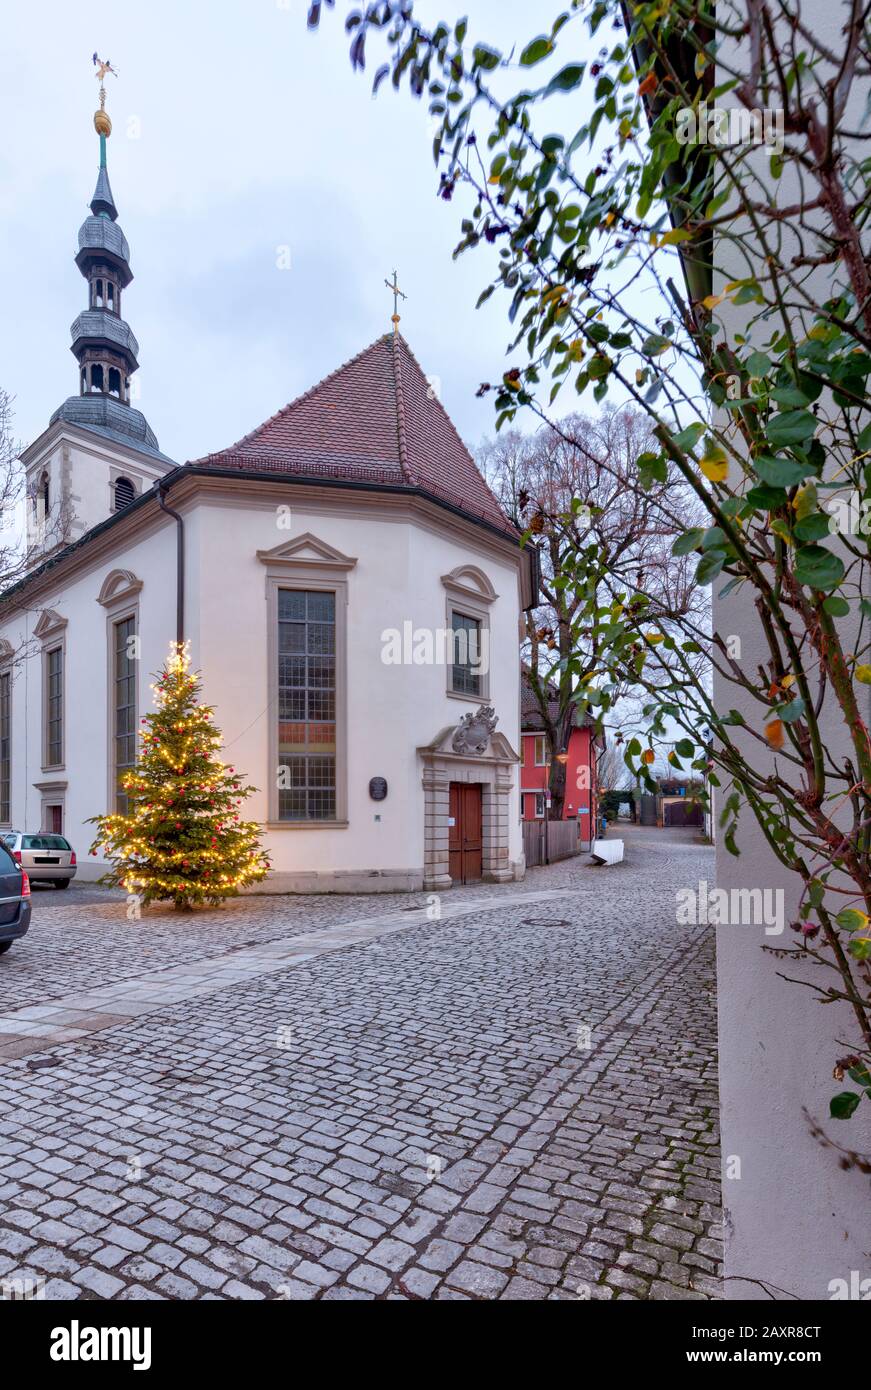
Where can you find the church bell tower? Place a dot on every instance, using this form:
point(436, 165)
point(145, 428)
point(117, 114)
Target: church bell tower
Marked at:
point(102, 341)
point(99, 452)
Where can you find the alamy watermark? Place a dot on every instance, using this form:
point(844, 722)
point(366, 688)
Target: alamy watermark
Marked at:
point(436, 646)
point(738, 907)
point(731, 126)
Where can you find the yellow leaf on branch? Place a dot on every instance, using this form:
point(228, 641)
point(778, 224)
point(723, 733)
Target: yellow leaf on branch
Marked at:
point(714, 463)
point(774, 733)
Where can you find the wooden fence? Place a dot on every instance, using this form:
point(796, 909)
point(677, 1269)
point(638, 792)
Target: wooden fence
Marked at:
point(563, 839)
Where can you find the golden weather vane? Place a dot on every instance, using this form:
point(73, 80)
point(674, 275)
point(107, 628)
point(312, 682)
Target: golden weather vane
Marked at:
point(398, 294)
point(101, 119)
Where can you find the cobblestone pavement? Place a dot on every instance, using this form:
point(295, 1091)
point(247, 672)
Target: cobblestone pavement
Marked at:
point(517, 1101)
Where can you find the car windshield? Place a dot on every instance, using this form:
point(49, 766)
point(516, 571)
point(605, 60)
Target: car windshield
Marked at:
point(55, 842)
point(7, 863)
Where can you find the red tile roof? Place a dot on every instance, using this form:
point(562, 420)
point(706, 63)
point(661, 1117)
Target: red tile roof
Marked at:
point(376, 419)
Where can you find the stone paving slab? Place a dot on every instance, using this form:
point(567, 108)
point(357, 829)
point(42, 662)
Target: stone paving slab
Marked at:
point(514, 1102)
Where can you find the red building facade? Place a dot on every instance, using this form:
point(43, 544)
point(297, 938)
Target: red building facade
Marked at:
point(581, 781)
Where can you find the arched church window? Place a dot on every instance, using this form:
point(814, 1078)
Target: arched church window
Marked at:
point(125, 493)
point(110, 294)
point(98, 293)
point(114, 382)
point(96, 377)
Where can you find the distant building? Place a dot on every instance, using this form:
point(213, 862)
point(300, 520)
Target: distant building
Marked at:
point(584, 745)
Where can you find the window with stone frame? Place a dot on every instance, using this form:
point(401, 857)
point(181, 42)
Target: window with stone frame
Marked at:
point(124, 705)
point(306, 650)
point(54, 707)
point(465, 654)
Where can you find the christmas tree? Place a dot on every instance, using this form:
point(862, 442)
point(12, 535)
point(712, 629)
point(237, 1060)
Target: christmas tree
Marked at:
point(181, 837)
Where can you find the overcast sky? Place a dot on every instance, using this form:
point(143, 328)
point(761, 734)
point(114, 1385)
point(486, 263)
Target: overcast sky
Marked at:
point(236, 133)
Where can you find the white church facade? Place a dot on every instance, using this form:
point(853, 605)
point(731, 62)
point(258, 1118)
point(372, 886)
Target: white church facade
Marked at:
point(348, 585)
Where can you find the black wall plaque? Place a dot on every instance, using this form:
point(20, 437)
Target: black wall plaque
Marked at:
point(378, 788)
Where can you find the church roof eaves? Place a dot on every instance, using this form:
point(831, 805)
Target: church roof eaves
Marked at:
point(182, 471)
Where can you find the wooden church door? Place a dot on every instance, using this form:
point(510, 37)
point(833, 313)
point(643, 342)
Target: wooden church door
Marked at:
point(465, 832)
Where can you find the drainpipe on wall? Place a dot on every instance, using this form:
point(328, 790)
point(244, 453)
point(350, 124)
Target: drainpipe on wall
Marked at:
point(179, 571)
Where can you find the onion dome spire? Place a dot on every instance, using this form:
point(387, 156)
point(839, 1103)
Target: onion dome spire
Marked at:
point(102, 341)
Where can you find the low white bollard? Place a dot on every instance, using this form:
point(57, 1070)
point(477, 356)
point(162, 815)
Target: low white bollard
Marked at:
point(607, 851)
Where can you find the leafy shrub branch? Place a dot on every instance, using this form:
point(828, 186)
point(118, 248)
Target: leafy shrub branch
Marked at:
point(690, 236)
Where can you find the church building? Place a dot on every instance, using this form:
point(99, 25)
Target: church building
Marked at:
point(349, 587)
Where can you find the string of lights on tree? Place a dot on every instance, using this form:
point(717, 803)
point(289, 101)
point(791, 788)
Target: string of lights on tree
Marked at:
point(181, 837)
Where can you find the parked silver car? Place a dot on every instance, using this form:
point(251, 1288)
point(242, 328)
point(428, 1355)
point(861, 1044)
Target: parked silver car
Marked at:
point(44, 856)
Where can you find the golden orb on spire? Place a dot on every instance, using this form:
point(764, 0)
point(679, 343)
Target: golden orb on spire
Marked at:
point(102, 124)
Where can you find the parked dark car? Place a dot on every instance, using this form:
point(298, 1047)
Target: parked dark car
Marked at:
point(14, 900)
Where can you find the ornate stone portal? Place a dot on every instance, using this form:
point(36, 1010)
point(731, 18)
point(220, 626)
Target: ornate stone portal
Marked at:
point(472, 751)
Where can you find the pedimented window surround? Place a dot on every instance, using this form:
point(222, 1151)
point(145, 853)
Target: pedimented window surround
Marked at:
point(306, 556)
point(49, 625)
point(118, 588)
point(469, 592)
point(306, 562)
point(469, 582)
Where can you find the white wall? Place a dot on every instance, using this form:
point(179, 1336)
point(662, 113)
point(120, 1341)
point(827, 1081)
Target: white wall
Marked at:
point(391, 709)
point(86, 684)
point(794, 1220)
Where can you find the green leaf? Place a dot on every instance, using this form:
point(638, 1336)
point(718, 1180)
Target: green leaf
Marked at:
point(758, 364)
point(838, 607)
point(814, 527)
point(535, 51)
point(792, 427)
point(768, 499)
point(567, 79)
point(689, 541)
point(818, 567)
point(689, 437)
point(788, 395)
point(794, 710)
point(709, 566)
point(843, 1104)
point(780, 472)
point(860, 948)
point(851, 919)
point(654, 344)
point(486, 58)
